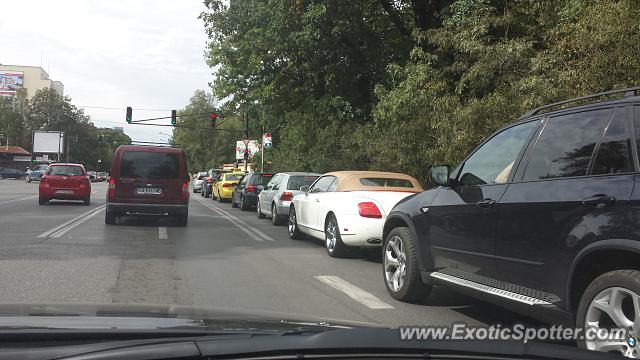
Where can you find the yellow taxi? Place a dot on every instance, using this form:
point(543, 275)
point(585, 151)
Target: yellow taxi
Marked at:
point(223, 187)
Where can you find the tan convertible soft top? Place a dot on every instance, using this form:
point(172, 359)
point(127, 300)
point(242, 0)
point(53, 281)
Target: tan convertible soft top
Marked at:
point(357, 181)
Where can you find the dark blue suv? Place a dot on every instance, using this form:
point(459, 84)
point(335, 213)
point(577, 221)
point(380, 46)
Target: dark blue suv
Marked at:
point(245, 194)
point(542, 218)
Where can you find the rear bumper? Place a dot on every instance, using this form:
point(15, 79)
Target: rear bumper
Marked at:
point(148, 208)
point(360, 231)
point(251, 199)
point(225, 193)
point(78, 194)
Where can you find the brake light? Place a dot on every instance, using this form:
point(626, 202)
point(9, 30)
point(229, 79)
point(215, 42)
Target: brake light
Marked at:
point(369, 210)
point(251, 188)
point(227, 185)
point(286, 196)
point(185, 190)
point(112, 187)
point(209, 178)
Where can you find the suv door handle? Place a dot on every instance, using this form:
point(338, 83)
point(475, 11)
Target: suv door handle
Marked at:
point(485, 203)
point(599, 200)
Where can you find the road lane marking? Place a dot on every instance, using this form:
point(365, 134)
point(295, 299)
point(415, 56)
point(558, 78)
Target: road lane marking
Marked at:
point(162, 233)
point(63, 225)
point(71, 226)
point(363, 297)
point(18, 199)
point(246, 228)
point(258, 232)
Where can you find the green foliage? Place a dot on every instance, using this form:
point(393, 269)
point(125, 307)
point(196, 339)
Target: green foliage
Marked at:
point(204, 146)
point(342, 85)
point(48, 111)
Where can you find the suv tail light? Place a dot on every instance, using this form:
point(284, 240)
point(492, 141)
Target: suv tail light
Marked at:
point(251, 188)
point(209, 178)
point(112, 187)
point(286, 196)
point(369, 210)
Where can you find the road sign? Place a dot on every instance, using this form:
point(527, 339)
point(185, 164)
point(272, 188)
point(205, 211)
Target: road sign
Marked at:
point(266, 140)
point(242, 144)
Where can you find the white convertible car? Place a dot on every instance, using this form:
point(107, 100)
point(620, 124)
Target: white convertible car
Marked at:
point(348, 208)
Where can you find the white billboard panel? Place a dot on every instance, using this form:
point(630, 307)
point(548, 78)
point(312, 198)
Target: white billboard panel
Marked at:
point(253, 149)
point(48, 142)
point(10, 82)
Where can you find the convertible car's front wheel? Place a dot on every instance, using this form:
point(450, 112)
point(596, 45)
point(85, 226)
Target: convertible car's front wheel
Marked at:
point(400, 267)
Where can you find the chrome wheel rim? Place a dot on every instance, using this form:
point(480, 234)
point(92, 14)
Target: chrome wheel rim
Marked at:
point(292, 222)
point(615, 308)
point(395, 263)
point(331, 235)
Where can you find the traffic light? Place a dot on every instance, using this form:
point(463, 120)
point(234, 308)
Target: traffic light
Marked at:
point(174, 117)
point(214, 117)
point(246, 153)
point(100, 138)
point(129, 114)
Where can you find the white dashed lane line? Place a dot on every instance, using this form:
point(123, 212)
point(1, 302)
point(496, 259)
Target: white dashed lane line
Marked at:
point(162, 233)
point(363, 297)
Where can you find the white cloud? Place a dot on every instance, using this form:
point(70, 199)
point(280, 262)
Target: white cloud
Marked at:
point(115, 53)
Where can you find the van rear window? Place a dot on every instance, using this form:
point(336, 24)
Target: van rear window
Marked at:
point(150, 165)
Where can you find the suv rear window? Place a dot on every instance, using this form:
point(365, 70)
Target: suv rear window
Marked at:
point(388, 182)
point(150, 165)
point(296, 182)
point(232, 177)
point(66, 170)
point(261, 179)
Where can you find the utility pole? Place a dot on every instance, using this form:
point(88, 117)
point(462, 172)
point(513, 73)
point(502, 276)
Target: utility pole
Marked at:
point(262, 150)
point(246, 136)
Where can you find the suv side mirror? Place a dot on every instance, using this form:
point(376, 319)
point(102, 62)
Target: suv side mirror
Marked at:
point(305, 188)
point(440, 175)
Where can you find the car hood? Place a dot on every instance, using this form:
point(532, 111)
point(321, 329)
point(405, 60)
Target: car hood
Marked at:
point(155, 317)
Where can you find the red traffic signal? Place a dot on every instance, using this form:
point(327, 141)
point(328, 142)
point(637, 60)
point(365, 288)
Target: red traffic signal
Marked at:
point(214, 117)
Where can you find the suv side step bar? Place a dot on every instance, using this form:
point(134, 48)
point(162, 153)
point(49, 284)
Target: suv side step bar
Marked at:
point(488, 289)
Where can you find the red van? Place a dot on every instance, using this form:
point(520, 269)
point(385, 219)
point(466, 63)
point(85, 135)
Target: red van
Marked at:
point(148, 180)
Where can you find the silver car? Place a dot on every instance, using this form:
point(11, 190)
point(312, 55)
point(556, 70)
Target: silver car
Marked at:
point(197, 182)
point(275, 198)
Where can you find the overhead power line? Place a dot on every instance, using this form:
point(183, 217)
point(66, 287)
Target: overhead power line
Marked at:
point(117, 108)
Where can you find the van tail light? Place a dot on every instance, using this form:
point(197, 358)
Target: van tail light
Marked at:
point(185, 190)
point(228, 185)
point(369, 210)
point(251, 188)
point(112, 187)
point(286, 196)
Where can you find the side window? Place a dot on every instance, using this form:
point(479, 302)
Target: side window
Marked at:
point(322, 185)
point(334, 185)
point(244, 181)
point(493, 161)
point(566, 145)
point(613, 154)
point(276, 179)
point(273, 182)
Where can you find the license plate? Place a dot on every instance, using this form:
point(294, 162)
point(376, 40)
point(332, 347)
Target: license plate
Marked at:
point(149, 191)
point(64, 192)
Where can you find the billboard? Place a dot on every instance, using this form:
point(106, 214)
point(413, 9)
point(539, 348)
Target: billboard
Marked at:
point(10, 82)
point(240, 146)
point(48, 142)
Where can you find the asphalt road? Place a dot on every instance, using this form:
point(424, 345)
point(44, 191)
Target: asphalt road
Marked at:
point(64, 252)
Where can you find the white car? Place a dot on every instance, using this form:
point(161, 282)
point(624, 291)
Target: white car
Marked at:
point(348, 208)
point(198, 180)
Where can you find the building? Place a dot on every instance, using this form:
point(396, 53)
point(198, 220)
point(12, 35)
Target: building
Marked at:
point(32, 78)
point(14, 157)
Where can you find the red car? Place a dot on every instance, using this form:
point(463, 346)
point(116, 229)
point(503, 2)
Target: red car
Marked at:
point(65, 182)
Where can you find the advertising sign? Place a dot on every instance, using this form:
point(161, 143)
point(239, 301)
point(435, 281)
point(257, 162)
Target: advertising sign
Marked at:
point(10, 82)
point(21, 158)
point(266, 140)
point(240, 146)
point(48, 142)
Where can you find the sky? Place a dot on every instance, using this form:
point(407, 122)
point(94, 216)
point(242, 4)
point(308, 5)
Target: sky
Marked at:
point(147, 54)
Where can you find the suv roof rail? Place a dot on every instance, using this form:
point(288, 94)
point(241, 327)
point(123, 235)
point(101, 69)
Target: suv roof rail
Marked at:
point(628, 92)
